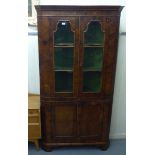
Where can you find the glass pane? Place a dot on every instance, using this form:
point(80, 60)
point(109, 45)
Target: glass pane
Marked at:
point(63, 81)
point(93, 58)
point(91, 81)
point(63, 58)
point(63, 33)
point(93, 34)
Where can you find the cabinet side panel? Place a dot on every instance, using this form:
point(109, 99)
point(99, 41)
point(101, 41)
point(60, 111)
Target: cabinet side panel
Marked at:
point(110, 58)
point(44, 56)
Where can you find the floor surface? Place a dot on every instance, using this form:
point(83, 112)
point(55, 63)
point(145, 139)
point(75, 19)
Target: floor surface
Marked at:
point(117, 147)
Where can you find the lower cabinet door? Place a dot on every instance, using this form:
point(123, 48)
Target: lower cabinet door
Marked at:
point(64, 121)
point(76, 122)
point(90, 120)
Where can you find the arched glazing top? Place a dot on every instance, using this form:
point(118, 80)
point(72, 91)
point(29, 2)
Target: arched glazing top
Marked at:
point(94, 33)
point(63, 33)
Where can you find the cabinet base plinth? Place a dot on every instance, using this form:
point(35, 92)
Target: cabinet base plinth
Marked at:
point(48, 147)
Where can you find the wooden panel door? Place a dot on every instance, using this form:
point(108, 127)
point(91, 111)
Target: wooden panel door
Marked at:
point(64, 121)
point(90, 117)
point(94, 119)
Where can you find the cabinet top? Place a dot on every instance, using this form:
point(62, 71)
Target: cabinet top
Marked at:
point(117, 8)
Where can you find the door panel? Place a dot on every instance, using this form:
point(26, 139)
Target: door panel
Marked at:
point(94, 119)
point(90, 119)
point(64, 119)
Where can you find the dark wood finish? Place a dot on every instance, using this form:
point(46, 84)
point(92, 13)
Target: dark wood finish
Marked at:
point(64, 120)
point(91, 119)
point(76, 118)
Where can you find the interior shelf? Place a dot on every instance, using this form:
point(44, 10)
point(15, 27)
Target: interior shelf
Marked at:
point(92, 70)
point(63, 44)
point(63, 70)
point(93, 45)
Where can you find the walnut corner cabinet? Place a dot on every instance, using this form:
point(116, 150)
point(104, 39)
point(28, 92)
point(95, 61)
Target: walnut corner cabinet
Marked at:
point(77, 61)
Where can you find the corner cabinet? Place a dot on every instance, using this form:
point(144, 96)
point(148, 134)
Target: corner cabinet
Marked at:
point(77, 61)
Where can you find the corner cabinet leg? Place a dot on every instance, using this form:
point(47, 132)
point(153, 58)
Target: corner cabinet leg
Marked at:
point(36, 144)
point(46, 148)
point(105, 146)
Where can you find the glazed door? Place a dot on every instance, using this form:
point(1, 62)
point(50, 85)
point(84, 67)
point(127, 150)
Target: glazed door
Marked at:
point(92, 39)
point(63, 49)
point(97, 56)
